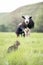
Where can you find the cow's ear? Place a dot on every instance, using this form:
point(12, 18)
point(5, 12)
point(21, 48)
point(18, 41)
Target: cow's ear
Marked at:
point(23, 17)
point(30, 17)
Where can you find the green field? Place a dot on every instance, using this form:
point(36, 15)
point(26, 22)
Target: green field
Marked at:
point(30, 51)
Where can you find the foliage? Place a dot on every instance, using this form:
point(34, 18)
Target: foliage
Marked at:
point(12, 19)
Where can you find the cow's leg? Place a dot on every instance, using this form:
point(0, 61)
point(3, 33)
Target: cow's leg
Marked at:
point(24, 34)
point(18, 31)
point(21, 34)
point(17, 35)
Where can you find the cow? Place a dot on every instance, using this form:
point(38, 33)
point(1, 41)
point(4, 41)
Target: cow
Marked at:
point(27, 23)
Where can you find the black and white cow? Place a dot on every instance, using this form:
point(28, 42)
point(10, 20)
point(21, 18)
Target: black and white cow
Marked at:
point(27, 23)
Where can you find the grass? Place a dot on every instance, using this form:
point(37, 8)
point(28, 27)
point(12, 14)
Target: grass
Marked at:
point(30, 51)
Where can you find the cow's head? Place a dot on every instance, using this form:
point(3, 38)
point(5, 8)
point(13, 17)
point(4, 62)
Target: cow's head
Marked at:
point(26, 18)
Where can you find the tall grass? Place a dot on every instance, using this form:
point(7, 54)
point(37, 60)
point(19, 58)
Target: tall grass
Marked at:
point(30, 51)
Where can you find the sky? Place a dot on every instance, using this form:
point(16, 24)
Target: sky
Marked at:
point(10, 5)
